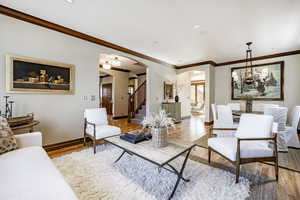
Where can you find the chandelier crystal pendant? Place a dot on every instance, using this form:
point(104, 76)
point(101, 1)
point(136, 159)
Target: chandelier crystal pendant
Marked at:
point(249, 77)
point(106, 65)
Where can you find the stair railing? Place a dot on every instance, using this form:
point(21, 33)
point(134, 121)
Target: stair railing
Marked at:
point(136, 100)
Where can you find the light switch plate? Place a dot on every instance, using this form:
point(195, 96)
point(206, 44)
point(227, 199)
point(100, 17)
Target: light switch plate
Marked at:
point(93, 98)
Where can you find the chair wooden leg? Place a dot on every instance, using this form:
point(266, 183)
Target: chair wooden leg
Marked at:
point(237, 175)
point(94, 144)
point(209, 155)
point(276, 169)
point(84, 139)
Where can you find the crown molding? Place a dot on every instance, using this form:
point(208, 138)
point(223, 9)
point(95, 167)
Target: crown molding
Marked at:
point(56, 27)
point(276, 55)
point(210, 62)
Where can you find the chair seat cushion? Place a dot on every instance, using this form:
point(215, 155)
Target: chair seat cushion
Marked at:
point(103, 131)
point(227, 146)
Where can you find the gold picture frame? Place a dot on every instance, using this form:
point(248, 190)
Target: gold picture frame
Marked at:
point(31, 75)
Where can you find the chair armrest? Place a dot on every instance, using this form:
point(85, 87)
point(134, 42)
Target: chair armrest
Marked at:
point(29, 139)
point(224, 129)
point(253, 139)
point(89, 123)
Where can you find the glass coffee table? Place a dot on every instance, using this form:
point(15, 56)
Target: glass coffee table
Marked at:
point(157, 156)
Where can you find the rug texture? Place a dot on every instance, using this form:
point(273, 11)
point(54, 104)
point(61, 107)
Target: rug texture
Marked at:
point(95, 177)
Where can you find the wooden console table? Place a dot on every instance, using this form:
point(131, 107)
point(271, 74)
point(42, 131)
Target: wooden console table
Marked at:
point(30, 127)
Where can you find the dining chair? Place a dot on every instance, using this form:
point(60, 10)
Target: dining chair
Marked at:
point(250, 144)
point(292, 136)
point(223, 121)
point(267, 106)
point(235, 106)
point(280, 118)
point(214, 112)
point(96, 126)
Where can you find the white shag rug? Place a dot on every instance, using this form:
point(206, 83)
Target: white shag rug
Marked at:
point(95, 177)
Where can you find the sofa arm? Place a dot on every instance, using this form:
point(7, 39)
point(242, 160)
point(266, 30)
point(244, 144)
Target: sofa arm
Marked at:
point(29, 139)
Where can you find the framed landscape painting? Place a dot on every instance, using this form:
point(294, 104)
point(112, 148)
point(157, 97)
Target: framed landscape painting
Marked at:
point(30, 75)
point(266, 82)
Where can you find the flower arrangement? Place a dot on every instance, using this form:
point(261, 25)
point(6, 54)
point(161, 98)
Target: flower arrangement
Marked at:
point(160, 120)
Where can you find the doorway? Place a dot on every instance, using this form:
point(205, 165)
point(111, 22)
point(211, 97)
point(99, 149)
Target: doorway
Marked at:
point(197, 97)
point(107, 101)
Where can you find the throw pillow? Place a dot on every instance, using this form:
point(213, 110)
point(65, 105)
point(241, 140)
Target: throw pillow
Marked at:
point(7, 139)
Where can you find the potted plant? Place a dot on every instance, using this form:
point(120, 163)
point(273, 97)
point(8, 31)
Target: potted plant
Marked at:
point(159, 124)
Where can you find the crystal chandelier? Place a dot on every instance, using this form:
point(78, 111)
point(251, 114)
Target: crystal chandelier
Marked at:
point(249, 77)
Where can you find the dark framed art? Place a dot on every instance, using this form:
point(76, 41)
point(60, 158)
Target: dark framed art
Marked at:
point(168, 90)
point(30, 75)
point(267, 82)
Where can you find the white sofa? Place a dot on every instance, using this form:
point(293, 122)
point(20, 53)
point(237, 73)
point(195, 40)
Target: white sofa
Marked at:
point(28, 173)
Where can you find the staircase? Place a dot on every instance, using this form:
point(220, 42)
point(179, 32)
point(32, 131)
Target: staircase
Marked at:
point(137, 105)
point(139, 116)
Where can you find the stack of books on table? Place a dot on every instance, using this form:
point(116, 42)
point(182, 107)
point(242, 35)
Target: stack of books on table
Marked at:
point(136, 136)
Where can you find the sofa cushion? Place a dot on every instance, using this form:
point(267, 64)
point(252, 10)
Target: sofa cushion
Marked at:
point(7, 140)
point(103, 131)
point(29, 174)
point(227, 146)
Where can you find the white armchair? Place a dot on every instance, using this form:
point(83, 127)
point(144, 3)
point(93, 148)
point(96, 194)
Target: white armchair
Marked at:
point(250, 144)
point(96, 126)
point(292, 139)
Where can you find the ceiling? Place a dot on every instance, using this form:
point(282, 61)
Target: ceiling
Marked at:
point(126, 63)
point(166, 29)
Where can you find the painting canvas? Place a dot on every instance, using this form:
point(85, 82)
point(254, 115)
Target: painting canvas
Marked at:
point(168, 90)
point(29, 75)
point(266, 82)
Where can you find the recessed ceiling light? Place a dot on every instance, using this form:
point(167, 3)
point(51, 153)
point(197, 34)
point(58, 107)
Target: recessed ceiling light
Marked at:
point(69, 1)
point(196, 26)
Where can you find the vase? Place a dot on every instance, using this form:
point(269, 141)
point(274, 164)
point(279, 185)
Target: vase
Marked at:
point(159, 137)
point(176, 98)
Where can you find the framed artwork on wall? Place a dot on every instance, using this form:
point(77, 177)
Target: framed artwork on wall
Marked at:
point(30, 75)
point(266, 85)
point(168, 90)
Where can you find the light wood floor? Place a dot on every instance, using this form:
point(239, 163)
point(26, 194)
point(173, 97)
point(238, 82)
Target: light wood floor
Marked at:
point(288, 186)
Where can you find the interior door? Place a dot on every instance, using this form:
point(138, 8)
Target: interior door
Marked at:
point(107, 97)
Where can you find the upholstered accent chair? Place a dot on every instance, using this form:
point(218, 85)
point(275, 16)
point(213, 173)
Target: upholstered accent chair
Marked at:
point(250, 144)
point(96, 126)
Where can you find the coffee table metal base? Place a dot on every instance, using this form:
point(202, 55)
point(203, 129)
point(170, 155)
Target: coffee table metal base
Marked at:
point(167, 163)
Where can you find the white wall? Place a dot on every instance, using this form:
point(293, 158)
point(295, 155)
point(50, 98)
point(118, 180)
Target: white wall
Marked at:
point(291, 82)
point(61, 116)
